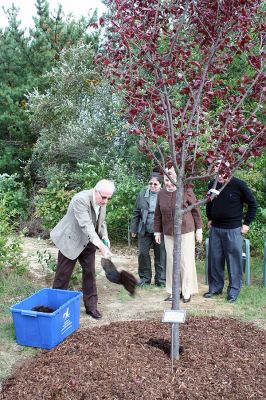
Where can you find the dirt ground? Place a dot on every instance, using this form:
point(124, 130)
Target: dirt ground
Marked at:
point(114, 302)
point(126, 354)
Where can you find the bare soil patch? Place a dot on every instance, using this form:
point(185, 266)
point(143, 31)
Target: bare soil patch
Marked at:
point(114, 302)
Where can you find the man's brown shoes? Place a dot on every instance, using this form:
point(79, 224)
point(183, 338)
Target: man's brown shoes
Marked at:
point(94, 314)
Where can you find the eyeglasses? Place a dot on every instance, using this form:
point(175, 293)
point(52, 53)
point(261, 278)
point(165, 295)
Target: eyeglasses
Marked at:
point(153, 184)
point(104, 197)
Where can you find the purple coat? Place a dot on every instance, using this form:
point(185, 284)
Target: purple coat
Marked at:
point(165, 213)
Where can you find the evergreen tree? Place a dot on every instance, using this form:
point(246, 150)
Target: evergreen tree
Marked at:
point(15, 78)
point(25, 60)
point(76, 117)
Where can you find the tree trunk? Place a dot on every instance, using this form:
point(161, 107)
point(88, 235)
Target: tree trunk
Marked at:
point(176, 264)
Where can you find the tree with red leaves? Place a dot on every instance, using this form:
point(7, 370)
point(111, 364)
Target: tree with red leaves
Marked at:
point(191, 75)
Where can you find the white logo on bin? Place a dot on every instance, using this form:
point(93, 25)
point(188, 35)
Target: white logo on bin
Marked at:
point(67, 323)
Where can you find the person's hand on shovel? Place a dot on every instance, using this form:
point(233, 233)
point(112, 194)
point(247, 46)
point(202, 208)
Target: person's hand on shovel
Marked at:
point(105, 251)
point(104, 247)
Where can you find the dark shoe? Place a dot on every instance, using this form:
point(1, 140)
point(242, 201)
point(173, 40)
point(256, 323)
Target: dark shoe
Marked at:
point(181, 296)
point(169, 298)
point(94, 314)
point(142, 283)
point(231, 299)
point(208, 295)
point(187, 300)
point(160, 284)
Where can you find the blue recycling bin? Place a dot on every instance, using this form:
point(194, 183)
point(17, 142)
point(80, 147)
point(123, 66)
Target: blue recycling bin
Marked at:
point(46, 330)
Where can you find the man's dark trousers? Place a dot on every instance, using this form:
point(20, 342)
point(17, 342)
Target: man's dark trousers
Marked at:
point(145, 243)
point(64, 271)
point(225, 245)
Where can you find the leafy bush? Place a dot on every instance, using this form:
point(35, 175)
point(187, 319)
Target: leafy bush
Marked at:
point(256, 182)
point(255, 179)
point(119, 209)
point(89, 173)
point(11, 258)
point(51, 203)
point(47, 260)
point(13, 197)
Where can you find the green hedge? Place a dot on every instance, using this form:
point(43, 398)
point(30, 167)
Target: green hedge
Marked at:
point(51, 202)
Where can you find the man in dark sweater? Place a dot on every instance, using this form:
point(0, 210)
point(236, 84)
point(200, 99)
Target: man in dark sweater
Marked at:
point(227, 224)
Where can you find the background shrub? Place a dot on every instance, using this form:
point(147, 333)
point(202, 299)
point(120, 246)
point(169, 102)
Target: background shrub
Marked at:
point(52, 201)
point(255, 179)
point(119, 209)
point(51, 204)
point(11, 258)
point(13, 197)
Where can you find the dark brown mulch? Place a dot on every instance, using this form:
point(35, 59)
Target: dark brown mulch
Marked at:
point(221, 358)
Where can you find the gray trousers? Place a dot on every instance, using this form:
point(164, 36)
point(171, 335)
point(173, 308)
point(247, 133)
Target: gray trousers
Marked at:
point(145, 243)
point(225, 245)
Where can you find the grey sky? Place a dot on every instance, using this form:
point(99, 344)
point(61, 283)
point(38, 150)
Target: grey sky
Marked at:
point(27, 8)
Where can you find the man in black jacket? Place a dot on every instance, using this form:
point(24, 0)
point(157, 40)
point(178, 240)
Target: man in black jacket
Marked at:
point(227, 224)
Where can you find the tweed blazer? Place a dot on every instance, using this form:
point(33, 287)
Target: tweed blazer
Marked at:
point(165, 213)
point(79, 226)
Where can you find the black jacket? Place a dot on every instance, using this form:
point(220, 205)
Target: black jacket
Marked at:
point(226, 210)
point(140, 213)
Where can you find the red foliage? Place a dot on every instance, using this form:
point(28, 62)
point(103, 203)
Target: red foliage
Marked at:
point(173, 62)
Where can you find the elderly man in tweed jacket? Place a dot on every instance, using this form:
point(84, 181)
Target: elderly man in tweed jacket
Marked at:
point(77, 235)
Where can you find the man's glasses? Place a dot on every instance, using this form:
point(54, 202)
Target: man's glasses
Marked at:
point(104, 197)
point(153, 184)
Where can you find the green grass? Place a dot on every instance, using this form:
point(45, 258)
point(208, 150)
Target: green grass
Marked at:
point(252, 299)
point(13, 289)
point(256, 271)
point(250, 304)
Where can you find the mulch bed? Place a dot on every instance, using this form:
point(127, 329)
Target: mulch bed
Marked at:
point(221, 358)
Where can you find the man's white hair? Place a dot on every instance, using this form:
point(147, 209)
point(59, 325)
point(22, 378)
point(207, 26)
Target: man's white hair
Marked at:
point(104, 185)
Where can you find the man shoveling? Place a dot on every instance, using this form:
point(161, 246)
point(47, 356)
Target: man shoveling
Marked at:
point(77, 236)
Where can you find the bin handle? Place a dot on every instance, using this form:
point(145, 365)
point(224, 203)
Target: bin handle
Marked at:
point(29, 313)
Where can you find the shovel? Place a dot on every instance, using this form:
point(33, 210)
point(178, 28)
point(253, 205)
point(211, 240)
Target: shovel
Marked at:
point(121, 278)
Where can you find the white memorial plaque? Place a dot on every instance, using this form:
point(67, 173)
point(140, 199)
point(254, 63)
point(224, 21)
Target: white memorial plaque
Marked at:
point(174, 316)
